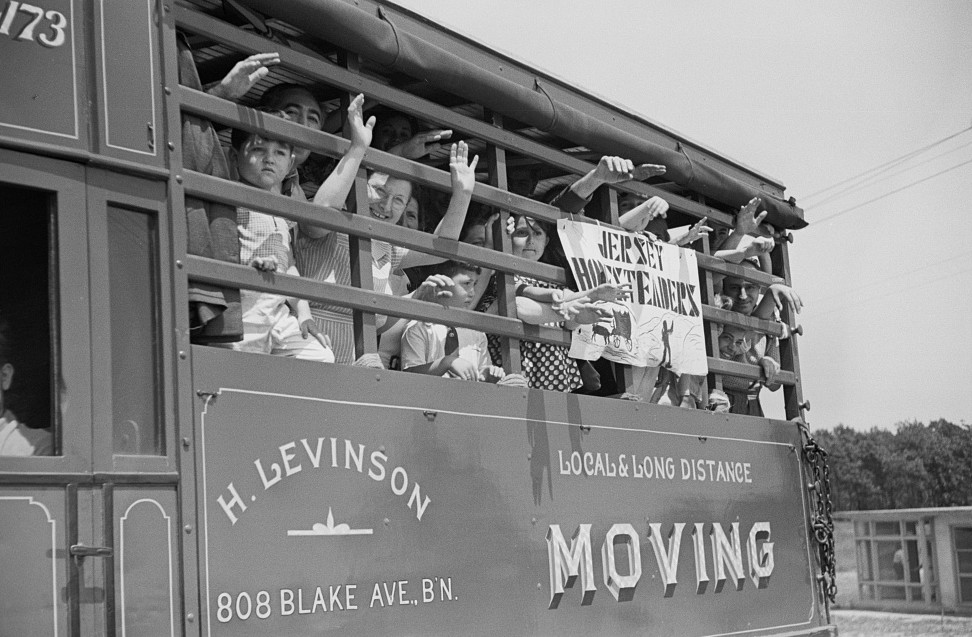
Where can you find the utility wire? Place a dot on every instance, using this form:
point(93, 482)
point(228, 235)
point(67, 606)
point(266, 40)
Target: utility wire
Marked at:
point(867, 183)
point(816, 222)
point(891, 163)
point(897, 275)
point(879, 296)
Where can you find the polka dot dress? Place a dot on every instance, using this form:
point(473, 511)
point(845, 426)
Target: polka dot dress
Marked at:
point(548, 366)
point(493, 343)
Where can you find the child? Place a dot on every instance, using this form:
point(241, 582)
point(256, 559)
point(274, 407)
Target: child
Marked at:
point(743, 346)
point(269, 327)
point(458, 352)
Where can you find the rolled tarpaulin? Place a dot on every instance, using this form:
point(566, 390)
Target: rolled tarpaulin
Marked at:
point(375, 38)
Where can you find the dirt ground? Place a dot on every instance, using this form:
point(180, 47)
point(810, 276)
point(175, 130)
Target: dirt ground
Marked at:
point(865, 623)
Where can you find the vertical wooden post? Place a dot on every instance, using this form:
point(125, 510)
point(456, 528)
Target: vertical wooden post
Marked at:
point(708, 297)
point(626, 379)
point(505, 290)
point(789, 351)
point(359, 248)
point(183, 396)
point(607, 199)
point(712, 332)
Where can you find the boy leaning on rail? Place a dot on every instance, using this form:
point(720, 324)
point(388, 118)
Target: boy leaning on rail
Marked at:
point(268, 323)
point(440, 350)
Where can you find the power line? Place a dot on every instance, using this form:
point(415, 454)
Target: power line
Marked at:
point(889, 164)
point(897, 275)
point(888, 194)
point(867, 183)
point(881, 296)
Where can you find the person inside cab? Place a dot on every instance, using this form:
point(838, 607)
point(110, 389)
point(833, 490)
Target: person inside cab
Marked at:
point(16, 438)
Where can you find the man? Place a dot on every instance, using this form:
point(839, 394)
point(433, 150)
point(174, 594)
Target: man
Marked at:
point(763, 350)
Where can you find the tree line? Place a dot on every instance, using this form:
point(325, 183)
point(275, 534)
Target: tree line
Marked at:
point(914, 466)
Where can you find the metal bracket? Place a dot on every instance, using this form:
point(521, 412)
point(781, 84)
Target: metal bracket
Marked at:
point(207, 396)
point(82, 551)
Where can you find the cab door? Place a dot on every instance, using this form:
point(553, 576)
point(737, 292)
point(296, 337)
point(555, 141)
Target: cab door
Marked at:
point(45, 503)
point(89, 540)
point(134, 457)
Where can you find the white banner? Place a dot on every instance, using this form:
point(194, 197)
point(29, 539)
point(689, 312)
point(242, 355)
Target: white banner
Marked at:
point(661, 325)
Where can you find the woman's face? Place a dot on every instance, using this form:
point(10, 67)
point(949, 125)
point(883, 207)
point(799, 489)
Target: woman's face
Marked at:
point(388, 197)
point(734, 342)
point(529, 239)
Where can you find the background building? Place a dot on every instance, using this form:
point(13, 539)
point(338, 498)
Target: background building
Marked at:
point(914, 559)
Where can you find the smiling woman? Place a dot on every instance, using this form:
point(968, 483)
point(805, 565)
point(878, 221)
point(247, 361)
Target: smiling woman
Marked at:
point(329, 258)
point(388, 197)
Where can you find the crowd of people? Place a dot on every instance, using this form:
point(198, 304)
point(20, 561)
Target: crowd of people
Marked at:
point(275, 324)
point(271, 323)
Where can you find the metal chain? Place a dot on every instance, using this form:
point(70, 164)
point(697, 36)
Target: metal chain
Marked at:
point(823, 508)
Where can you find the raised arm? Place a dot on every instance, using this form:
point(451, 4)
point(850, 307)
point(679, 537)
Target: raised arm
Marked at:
point(638, 218)
point(421, 144)
point(747, 221)
point(609, 170)
point(776, 297)
point(463, 176)
point(748, 246)
point(244, 76)
point(696, 232)
point(334, 191)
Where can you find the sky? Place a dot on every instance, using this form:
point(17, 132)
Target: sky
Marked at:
point(812, 94)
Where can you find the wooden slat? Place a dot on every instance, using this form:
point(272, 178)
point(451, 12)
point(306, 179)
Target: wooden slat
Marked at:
point(230, 274)
point(729, 317)
point(718, 266)
point(749, 372)
point(236, 194)
point(235, 115)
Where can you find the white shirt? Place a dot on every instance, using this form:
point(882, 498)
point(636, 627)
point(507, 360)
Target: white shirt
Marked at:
point(425, 342)
point(18, 440)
